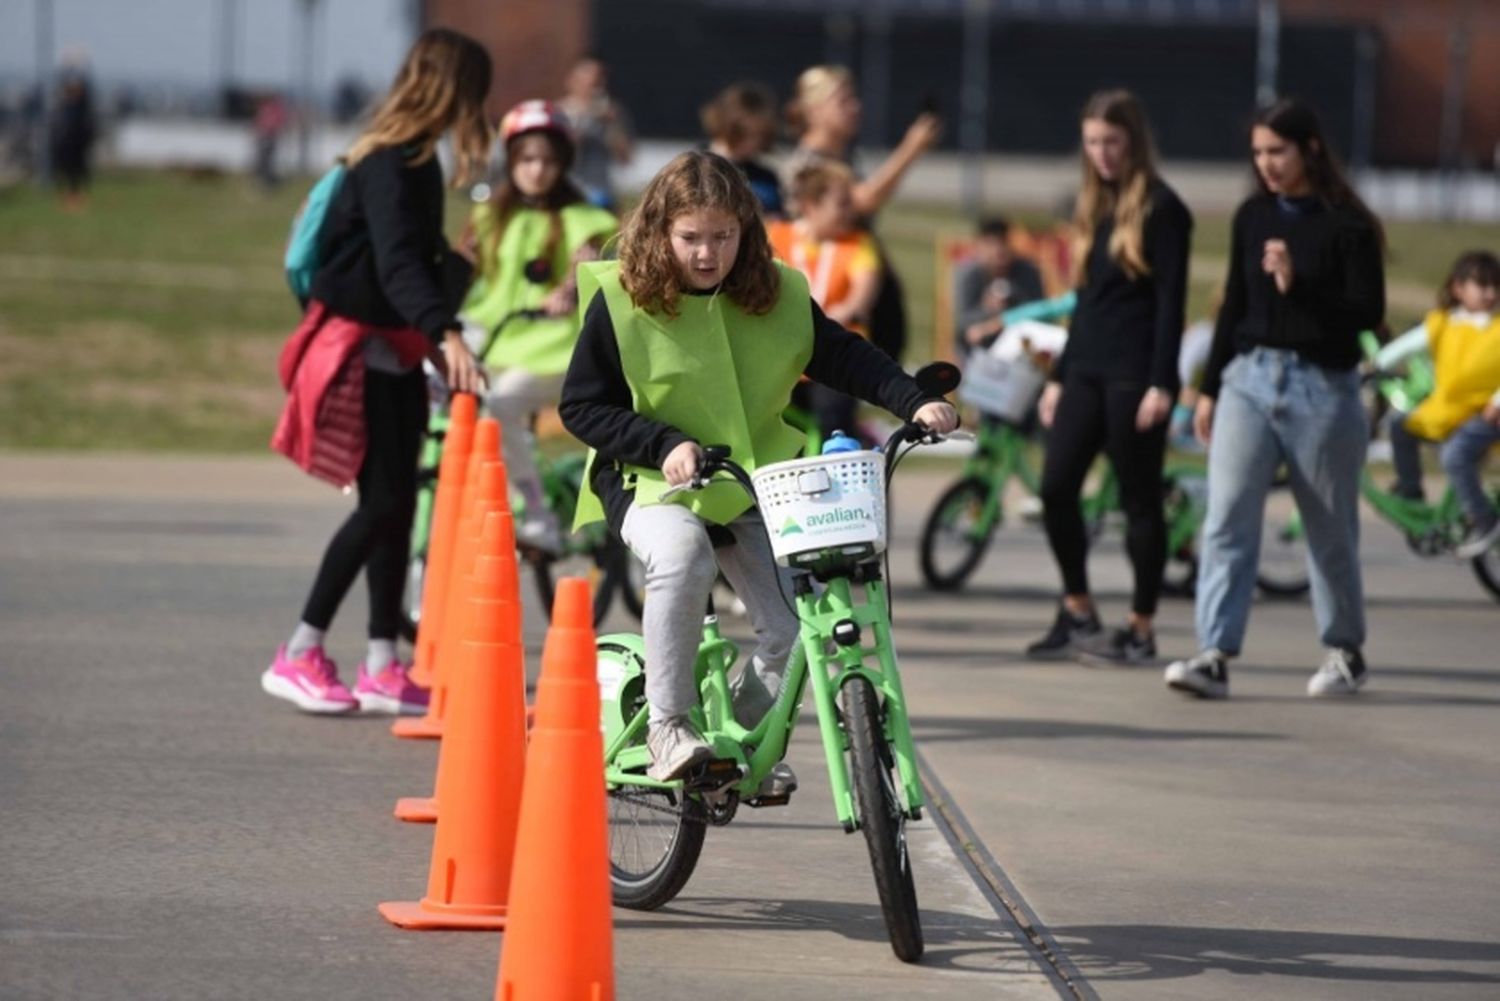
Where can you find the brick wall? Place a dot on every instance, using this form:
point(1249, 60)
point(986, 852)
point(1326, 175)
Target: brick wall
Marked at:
point(533, 42)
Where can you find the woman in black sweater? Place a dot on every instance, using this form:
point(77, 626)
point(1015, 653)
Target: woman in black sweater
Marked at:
point(1306, 276)
point(389, 283)
point(1114, 385)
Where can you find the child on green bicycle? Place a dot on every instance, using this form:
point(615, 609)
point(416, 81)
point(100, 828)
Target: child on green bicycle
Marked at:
point(697, 337)
point(1463, 409)
point(529, 235)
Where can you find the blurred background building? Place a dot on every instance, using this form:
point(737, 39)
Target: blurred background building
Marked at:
point(1403, 84)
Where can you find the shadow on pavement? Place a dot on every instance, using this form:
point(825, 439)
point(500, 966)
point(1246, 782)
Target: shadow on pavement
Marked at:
point(1162, 952)
point(957, 941)
point(934, 729)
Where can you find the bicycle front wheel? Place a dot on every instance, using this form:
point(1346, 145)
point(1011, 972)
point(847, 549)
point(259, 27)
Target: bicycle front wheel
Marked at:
point(1282, 572)
point(955, 537)
point(882, 818)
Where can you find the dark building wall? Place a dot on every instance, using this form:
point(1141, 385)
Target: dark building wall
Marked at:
point(1197, 80)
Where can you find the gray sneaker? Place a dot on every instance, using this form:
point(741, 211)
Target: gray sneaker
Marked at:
point(779, 781)
point(1341, 673)
point(1205, 674)
point(676, 746)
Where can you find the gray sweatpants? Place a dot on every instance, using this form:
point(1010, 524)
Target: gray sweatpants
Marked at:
point(680, 563)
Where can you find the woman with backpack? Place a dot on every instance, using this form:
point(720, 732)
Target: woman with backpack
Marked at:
point(383, 298)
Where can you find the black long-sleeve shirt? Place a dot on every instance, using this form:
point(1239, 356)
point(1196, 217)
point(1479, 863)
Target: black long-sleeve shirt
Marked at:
point(1130, 329)
point(596, 405)
point(1337, 290)
point(387, 261)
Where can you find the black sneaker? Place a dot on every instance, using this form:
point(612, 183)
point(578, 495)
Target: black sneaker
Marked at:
point(1067, 630)
point(1118, 646)
point(1205, 675)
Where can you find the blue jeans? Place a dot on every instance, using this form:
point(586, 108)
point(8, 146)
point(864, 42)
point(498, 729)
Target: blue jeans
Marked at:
point(1463, 453)
point(1276, 409)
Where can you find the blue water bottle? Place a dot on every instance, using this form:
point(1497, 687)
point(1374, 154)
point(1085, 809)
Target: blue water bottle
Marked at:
point(840, 442)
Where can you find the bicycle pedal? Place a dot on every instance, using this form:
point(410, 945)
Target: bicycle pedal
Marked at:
point(712, 774)
point(760, 801)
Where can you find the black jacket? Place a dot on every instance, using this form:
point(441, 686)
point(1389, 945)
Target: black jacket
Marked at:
point(596, 400)
point(386, 262)
point(1130, 329)
point(1337, 291)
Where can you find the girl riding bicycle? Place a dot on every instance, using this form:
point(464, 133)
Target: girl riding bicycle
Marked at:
point(530, 236)
point(697, 337)
point(1463, 410)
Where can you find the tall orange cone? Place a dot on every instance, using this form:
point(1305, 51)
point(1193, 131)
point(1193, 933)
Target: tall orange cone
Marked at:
point(558, 944)
point(489, 495)
point(468, 885)
point(445, 510)
point(450, 688)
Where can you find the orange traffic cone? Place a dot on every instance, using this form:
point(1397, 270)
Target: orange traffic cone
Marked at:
point(558, 942)
point(468, 885)
point(450, 690)
point(489, 495)
point(445, 511)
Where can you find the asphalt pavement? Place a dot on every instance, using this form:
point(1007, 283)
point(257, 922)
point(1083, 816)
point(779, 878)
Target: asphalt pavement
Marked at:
point(170, 832)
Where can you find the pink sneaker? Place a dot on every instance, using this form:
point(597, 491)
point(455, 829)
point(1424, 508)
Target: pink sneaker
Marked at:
point(391, 692)
point(311, 682)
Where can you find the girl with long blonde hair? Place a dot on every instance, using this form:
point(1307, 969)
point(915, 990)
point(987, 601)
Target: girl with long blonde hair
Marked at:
point(1113, 387)
point(384, 297)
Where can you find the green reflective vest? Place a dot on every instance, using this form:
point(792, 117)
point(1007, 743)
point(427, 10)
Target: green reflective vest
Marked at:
point(713, 372)
point(540, 346)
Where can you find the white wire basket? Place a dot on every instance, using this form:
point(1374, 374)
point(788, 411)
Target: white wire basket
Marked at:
point(1000, 387)
point(829, 505)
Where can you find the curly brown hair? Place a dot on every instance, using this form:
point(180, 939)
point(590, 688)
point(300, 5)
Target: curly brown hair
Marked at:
point(692, 182)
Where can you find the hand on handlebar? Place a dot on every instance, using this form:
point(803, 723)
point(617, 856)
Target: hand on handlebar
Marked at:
point(682, 463)
point(937, 416)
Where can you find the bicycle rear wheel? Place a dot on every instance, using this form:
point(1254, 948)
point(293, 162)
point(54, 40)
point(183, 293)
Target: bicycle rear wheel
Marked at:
point(882, 818)
point(655, 839)
point(953, 541)
point(1282, 571)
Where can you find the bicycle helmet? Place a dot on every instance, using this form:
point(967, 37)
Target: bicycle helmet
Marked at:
point(537, 116)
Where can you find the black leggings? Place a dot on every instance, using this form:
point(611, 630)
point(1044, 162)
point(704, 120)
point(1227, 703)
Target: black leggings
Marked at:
point(1094, 415)
point(377, 535)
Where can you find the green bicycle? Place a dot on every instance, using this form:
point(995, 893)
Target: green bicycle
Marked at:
point(592, 553)
point(958, 531)
point(657, 829)
point(1430, 529)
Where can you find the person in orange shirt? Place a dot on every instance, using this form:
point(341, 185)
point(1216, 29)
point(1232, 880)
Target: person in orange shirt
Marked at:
point(840, 261)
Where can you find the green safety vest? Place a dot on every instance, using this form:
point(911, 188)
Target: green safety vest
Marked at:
point(713, 372)
point(541, 346)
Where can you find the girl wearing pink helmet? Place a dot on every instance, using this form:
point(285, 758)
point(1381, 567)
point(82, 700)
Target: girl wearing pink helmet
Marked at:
point(529, 236)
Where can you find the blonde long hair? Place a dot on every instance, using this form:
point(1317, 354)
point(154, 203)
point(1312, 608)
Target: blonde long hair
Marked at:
point(691, 182)
point(1128, 200)
point(814, 86)
point(442, 85)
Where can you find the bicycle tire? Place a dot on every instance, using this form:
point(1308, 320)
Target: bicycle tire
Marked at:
point(603, 582)
point(966, 498)
point(1282, 569)
point(882, 819)
point(646, 880)
point(1487, 569)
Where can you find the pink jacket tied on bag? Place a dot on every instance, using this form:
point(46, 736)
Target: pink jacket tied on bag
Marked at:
point(322, 368)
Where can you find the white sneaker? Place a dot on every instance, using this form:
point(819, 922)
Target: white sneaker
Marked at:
point(676, 747)
point(1205, 674)
point(540, 533)
point(1341, 673)
point(1477, 543)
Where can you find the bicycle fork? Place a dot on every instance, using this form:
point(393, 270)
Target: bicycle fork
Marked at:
point(834, 640)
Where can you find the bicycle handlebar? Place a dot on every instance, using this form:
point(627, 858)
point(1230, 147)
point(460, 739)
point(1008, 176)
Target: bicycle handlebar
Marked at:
point(716, 458)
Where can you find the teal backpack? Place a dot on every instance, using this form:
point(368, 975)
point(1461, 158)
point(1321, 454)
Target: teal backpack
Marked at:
point(303, 245)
